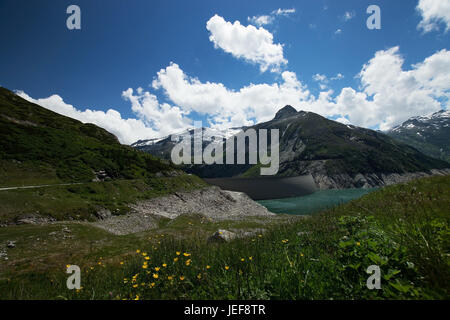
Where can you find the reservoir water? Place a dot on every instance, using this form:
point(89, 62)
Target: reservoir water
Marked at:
point(315, 202)
point(264, 188)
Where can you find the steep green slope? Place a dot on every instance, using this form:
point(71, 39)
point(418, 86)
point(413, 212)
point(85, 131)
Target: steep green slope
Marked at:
point(39, 146)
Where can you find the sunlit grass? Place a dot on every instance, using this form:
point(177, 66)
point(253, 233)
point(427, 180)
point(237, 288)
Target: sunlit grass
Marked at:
point(403, 229)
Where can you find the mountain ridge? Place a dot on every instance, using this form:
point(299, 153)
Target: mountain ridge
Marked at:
point(335, 154)
point(429, 134)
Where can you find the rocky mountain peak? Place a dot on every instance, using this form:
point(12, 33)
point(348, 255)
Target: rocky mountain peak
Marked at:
point(285, 112)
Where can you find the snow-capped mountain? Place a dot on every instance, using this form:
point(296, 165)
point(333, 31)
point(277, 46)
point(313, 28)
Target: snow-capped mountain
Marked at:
point(161, 147)
point(335, 154)
point(430, 134)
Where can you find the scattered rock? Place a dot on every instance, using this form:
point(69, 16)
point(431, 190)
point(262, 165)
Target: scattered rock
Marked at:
point(248, 233)
point(222, 235)
point(3, 254)
point(211, 202)
point(66, 230)
point(33, 219)
point(101, 176)
point(11, 244)
point(103, 214)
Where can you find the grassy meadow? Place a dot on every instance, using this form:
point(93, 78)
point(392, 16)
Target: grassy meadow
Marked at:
point(404, 229)
point(82, 201)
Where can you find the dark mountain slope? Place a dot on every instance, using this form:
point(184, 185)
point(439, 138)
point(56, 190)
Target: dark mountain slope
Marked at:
point(306, 136)
point(429, 134)
point(40, 146)
point(336, 155)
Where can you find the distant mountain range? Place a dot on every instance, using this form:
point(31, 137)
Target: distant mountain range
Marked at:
point(335, 154)
point(428, 134)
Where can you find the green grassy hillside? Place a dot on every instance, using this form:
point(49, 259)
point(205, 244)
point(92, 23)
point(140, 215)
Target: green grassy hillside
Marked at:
point(404, 229)
point(38, 146)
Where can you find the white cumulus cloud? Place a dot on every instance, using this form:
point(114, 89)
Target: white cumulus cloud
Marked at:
point(227, 107)
point(252, 44)
point(434, 12)
point(391, 94)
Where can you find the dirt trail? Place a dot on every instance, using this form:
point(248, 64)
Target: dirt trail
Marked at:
point(40, 186)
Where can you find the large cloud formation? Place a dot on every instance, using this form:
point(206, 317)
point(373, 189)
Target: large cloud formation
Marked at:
point(246, 42)
point(387, 94)
point(391, 94)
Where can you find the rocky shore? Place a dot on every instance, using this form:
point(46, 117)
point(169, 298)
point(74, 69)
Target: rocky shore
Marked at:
point(211, 202)
point(372, 180)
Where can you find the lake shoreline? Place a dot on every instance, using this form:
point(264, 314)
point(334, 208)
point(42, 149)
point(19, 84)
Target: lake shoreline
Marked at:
point(315, 202)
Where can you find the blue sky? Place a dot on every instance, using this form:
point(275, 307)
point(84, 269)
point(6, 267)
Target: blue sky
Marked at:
point(124, 44)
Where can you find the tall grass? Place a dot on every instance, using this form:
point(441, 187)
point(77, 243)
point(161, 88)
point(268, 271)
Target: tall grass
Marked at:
point(402, 229)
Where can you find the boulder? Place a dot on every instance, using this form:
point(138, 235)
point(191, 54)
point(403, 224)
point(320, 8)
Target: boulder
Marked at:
point(10, 244)
point(222, 236)
point(103, 214)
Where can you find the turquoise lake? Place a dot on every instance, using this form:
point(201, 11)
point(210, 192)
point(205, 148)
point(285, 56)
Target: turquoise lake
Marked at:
point(315, 202)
